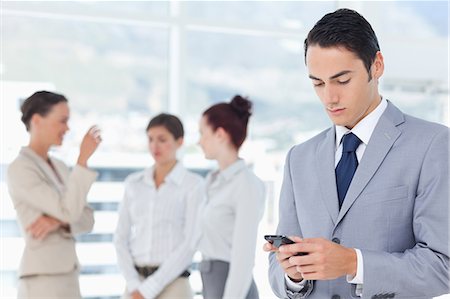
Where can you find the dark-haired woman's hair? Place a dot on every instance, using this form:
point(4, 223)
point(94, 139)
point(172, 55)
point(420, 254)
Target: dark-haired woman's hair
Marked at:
point(168, 121)
point(40, 102)
point(232, 117)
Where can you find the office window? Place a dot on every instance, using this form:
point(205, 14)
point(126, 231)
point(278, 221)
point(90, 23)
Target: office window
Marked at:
point(413, 37)
point(269, 70)
point(272, 15)
point(125, 10)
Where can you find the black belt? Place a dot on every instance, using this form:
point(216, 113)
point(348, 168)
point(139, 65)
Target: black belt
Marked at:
point(146, 271)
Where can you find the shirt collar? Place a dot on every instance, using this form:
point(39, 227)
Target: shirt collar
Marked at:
point(364, 129)
point(176, 175)
point(231, 170)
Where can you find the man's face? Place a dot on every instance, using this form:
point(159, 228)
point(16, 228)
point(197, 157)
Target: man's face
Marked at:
point(342, 83)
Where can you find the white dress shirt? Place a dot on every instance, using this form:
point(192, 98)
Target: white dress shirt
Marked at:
point(363, 130)
point(228, 223)
point(155, 227)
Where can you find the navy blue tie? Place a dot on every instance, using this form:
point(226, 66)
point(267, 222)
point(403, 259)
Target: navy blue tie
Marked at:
point(347, 165)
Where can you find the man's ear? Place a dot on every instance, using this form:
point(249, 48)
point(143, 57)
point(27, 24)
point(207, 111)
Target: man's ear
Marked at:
point(377, 66)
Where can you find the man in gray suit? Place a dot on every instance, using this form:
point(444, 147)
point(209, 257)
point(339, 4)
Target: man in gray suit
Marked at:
point(367, 199)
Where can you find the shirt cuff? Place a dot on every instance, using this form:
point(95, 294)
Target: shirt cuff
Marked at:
point(359, 277)
point(149, 288)
point(294, 286)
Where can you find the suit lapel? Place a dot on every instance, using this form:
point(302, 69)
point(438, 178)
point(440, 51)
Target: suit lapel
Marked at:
point(325, 169)
point(381, 141)
point(43, 166)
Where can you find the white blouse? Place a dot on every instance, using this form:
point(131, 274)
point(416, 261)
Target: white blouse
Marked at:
point(229, 219)
point(155, 227)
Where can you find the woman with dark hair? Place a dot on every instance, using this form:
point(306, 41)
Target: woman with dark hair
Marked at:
point(233, 207)
point(156, 218)
point(50, 199)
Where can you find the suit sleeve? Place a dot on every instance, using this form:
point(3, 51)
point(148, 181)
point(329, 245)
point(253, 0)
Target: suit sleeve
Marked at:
point(424, 269)
point(27, 186)
point(85, 223)
point(287, 225)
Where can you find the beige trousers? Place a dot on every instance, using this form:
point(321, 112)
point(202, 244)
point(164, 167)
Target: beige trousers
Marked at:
point(178, 289)
point(57, 286)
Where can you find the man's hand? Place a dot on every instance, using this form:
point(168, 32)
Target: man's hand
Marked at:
point(44, 225)
point(137, 295)
point(283, 260)
point(324, 260)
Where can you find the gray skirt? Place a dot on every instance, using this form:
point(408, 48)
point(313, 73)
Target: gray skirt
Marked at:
point(214, 276)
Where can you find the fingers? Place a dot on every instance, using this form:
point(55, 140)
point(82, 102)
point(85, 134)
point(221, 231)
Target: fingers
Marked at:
point(89, 145)
point(269, 247)
point(308, 269)
point(40, 228)
point(289, 268)
point(32, 226)
point(136, 295)
point(284, 258)
point(303, 246)
point(301, 260)
point(293, 273)
point(325, 259)
point(94, 130)
point(281, 256)
point(36, 225)
point(95, 133)
point(296, 239)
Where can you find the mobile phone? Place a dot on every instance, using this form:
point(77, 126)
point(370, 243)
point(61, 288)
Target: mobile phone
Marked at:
point(278, 240)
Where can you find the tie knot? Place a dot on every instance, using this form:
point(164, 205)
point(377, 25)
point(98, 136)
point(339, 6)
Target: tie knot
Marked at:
point(350, 143)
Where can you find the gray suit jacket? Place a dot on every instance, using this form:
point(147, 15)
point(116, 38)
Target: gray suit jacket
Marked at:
point(396, 210)
point(35, 190)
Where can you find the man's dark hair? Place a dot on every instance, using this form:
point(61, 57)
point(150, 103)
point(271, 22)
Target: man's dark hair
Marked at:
point(346, 28)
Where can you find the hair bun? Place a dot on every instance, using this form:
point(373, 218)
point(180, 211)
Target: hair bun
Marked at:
point(241, 106)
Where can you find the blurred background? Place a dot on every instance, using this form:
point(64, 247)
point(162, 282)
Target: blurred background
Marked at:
point(121, 62)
